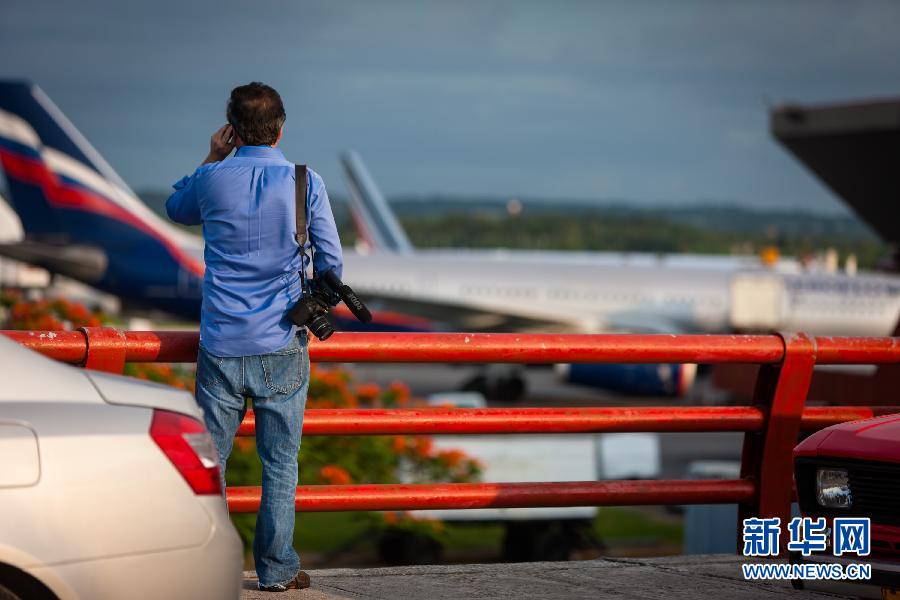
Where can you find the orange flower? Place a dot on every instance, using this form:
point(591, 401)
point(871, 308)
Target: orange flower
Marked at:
point(390, 518)
point(399, 443)
point(424, 446)
point(349, 400)
point(400, 391)
point(48, 323)
point(243, 444)
point(368, 391)
point(319, 403)
point(334, 475)
point(452, 458)
point(47, 315)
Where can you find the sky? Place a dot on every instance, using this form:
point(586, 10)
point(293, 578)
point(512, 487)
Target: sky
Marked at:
point(644, 102)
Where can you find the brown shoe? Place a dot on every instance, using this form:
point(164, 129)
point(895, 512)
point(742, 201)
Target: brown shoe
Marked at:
point(299, 582)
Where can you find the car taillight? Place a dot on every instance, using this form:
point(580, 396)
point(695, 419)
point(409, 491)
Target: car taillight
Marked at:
point(190, 448)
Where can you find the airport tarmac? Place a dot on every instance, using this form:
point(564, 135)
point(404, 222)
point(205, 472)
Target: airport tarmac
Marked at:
point(677, 450)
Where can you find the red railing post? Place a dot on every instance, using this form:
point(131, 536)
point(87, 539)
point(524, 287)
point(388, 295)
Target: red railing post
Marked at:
point(106, 349)
point(781, 394)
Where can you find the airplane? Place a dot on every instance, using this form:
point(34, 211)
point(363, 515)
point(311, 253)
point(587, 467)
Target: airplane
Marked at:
point(606, 291)
point(82, 221)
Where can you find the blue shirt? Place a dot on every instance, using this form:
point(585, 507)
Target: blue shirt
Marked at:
point(246, 206)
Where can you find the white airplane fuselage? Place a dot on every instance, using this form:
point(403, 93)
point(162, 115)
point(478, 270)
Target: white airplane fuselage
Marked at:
point(596, 293)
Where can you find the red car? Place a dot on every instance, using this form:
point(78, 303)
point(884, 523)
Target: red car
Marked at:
point(853, 470)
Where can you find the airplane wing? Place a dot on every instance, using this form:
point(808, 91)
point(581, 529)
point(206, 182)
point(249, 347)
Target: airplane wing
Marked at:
point(80, 262)
point(460, 317)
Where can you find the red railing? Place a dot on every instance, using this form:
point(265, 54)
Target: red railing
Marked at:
point(771, 425)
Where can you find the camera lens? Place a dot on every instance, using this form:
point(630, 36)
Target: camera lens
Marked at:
point(320, 327)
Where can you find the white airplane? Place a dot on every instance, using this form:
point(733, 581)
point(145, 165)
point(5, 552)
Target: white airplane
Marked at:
point(605, 292)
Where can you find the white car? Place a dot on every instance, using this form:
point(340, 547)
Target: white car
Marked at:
point(109, 488)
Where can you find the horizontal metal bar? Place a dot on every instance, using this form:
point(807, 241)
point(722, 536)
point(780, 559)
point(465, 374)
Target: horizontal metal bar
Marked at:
point(181, 346)
point(475, 421)
point(327, 498)
point(857, 350)
point(64, 346)
point(546, 348)
point(162, 346)
point(819, 417)
point(343, 421)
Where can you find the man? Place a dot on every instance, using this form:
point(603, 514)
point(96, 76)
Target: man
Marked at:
point(248, 349)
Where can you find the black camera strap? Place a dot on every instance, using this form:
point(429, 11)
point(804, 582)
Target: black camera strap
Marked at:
point(301, 200)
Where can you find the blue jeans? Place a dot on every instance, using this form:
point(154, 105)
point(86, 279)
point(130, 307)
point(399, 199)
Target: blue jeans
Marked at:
point(276, 383)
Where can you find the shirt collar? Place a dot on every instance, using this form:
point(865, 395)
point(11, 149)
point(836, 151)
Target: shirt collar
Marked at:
point(259, 152)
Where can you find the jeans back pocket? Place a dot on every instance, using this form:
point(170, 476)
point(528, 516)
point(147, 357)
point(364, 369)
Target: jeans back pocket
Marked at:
point(210, 370)
point(283, 370)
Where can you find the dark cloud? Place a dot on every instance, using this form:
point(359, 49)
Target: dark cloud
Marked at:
point(651, 101)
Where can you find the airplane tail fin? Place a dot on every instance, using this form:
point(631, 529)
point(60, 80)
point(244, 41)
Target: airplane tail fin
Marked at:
point(372, 216)
point(52, 170)
point(22, 154)
point(67, 196)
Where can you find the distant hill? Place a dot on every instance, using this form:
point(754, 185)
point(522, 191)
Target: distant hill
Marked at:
point(439, 221)
point(705, 216)
point(733, 219)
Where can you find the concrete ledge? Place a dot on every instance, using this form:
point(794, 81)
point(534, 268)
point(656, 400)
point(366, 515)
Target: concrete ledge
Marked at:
point(668, 578)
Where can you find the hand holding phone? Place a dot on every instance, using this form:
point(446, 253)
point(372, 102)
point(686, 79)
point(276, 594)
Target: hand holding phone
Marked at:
point(221, 144)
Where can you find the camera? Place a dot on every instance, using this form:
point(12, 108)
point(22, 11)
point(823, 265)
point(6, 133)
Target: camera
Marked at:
point(312, 310)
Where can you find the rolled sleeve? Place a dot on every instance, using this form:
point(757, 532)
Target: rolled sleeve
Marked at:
point(323, 233)
point(183, 206)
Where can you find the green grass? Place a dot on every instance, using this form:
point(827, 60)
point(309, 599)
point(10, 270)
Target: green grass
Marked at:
point(621, 523)
point(472, 537)
point(326, 532)
point(318, 532)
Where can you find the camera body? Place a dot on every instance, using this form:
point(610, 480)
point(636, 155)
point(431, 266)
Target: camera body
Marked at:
point(311, 310)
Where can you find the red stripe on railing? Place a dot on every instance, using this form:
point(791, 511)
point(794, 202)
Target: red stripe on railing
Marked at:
point(65, 346)
point(181, 346)
point(326, 498)
point(819, 417)
point(413, 421)
point(373, 421)
point(546, 348)
point(857, 350)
